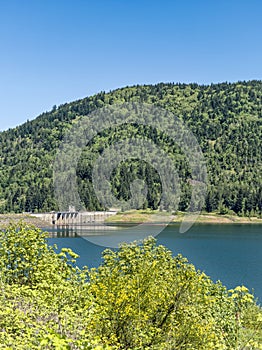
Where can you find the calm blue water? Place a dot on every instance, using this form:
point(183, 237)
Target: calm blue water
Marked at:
point(230, 253)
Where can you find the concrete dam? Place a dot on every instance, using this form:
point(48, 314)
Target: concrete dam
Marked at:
point(75, 218)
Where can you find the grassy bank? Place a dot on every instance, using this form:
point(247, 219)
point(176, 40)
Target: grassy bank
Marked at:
point(141, 216)
point(6, 219)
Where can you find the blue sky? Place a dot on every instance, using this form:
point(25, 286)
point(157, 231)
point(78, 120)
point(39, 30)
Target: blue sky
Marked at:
point(56, 51)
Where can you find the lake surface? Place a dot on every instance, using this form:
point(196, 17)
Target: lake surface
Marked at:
point(229, 253)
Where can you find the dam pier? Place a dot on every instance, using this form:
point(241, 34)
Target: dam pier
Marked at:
point(67, 218)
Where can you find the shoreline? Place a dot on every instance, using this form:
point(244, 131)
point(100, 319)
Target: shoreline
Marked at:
point(225, 219)
point(6, 219)
point(138, 217)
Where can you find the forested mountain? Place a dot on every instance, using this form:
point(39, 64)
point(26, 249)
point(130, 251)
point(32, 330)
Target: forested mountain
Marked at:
point(225, 118)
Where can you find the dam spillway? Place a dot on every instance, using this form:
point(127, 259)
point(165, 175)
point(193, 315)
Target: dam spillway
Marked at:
point(74, 218)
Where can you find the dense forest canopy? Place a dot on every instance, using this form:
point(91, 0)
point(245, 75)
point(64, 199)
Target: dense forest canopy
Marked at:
point(225, 118)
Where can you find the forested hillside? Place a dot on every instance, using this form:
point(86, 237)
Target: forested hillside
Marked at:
point(225, 118)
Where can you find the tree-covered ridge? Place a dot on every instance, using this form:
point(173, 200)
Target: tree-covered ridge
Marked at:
point(225, 118)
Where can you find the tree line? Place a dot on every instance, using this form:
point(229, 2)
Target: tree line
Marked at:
point(225, 118)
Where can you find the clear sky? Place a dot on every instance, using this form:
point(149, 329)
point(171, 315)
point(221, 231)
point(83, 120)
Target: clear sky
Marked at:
point(56, 51)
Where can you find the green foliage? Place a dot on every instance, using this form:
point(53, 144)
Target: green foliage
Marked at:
point(225, 118)
point(27, 260)
point(140, 297)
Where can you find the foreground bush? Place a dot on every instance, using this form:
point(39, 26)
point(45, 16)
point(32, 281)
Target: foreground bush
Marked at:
point(139, 298)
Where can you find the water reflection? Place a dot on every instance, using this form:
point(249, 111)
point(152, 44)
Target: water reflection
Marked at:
point(230, 253)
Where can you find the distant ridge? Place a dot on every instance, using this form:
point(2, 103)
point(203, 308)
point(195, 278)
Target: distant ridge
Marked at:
point(224, 117)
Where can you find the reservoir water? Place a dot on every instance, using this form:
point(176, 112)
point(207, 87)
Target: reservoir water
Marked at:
point(231, 253)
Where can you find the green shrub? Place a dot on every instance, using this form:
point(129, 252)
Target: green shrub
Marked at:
point(140, 297)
